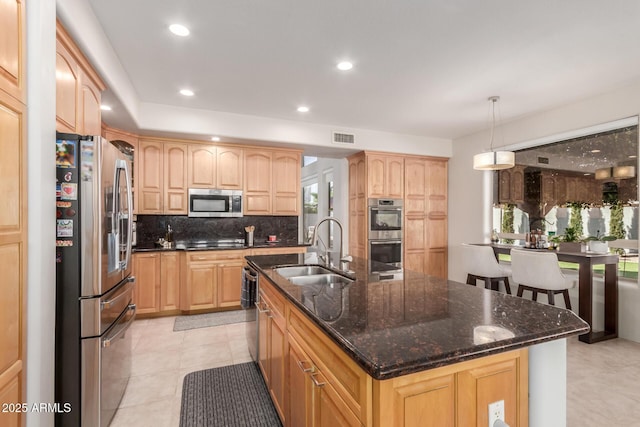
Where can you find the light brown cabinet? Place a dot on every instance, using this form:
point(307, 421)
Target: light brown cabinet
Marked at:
point(78, 89)
point(272, 329)
point(456, 395)
point(385, 174)
point(271, 182)
point(424, 181)
point(211, 166)
point(212, 280)
point(157, 282)
point(13, 215)
point(175, 195)
point(161, 178)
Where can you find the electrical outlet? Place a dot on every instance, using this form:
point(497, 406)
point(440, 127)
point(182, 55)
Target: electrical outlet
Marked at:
point(496, 412)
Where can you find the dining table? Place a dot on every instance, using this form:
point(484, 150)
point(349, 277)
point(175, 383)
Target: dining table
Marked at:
point(586, 261)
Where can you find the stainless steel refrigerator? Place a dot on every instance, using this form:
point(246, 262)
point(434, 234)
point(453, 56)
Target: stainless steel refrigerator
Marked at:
point(94, 285)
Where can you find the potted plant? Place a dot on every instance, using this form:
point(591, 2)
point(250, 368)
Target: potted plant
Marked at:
point(570, 241)
point(599, 243)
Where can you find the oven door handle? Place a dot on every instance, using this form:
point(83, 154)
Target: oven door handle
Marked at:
point(106, 341)
point(384, 242)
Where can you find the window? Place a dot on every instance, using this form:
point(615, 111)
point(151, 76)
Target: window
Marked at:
point(588, 183)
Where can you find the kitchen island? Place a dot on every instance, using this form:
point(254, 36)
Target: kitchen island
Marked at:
point(392, 352)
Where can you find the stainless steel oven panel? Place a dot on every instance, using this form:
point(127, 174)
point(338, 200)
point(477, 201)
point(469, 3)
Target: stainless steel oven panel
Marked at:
point(105, 370)
point(385, 234)
point(394, 257)
point(385, 203)
point(98, 314)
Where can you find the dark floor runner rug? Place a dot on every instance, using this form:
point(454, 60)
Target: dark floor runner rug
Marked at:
point(229, 396)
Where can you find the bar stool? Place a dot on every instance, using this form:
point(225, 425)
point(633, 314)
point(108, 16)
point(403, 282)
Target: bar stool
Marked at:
point(537, 271)
point(481, 264)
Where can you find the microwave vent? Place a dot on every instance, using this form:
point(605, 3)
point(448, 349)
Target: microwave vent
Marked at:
point(344, 138)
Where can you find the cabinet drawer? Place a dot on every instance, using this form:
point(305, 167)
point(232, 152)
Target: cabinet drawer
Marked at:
point(206, 256)
point(276, 302)
point(349, 380)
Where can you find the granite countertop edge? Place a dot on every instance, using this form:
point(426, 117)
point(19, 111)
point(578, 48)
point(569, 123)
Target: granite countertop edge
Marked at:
point(152, 247)
point(431, 361)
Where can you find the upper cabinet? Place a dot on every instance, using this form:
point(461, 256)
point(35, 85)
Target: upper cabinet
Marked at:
point(13, 48)
point(78, 89)
point(149, 162)
point(272, 182)
point(211, 166)
point(385, 175)
point(175, 179)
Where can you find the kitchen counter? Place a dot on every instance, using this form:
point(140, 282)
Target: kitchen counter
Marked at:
point(212, 246)
point(397, 327)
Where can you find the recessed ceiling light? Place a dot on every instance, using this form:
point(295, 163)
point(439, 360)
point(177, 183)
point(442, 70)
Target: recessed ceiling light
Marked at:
point(586, 174)
point(179, 30)
point(186, 92)
point(104, 107)
point(344, 65)
point(303, 109)
point(215, 138)
point(595, 151)
point(632, 156)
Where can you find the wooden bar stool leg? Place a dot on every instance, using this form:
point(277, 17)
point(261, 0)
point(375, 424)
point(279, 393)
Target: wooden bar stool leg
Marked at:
point(487, 283)
point(534, 296)
point(551, 296)
point(471, 279)
point(506, 285)
point(520, 290)
point(567, 301)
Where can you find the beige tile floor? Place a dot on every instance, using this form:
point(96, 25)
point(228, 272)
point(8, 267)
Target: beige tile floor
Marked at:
point(162, 358)
point(603, 384)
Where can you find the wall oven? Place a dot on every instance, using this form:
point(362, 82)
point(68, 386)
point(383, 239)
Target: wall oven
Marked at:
point(386, 251)
point(205, 202)
point(385, 219)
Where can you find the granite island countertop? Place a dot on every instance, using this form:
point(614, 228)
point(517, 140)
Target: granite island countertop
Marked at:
point(397, 327)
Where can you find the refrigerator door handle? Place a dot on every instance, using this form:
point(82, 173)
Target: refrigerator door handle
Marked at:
point(122, 165)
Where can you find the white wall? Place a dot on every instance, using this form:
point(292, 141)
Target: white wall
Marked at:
point(41, 281)
point(470, 200)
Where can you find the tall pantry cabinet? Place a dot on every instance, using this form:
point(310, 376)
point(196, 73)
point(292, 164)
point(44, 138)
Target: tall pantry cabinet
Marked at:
point(13, 212)
point(422, 184)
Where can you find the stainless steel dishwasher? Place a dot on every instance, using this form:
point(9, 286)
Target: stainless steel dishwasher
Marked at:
point(248, 299)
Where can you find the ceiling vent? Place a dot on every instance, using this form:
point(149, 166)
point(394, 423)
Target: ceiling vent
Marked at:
point(344, 138)
point(543, 160)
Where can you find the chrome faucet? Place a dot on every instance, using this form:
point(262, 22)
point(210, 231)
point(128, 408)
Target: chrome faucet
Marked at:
point(314, 240)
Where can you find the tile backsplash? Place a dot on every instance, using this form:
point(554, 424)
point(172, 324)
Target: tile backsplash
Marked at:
point(152, 227)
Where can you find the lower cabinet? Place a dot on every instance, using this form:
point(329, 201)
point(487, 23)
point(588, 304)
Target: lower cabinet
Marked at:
point(157, 282)
point(213, 279)
point(313, 383)
point(272, 361)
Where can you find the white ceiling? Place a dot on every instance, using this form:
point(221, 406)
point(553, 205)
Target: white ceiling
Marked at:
point(421, 67)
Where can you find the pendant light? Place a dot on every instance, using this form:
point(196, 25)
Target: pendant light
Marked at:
point(494, 160)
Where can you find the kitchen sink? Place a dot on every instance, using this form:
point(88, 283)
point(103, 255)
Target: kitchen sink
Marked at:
point(320, 279)
point(302, 270)
point(304, 275)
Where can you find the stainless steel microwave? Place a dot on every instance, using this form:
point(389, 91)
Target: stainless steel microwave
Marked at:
point(204, 202)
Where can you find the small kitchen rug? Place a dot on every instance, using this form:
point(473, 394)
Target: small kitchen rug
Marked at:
point(195, 321)
point(230, 396)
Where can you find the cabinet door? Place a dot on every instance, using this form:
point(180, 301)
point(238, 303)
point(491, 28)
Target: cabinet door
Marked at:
point(394, 180)
point(437, 252)
point(286, 183)
point(202, 161)
point(13, 48)
point(415, 243)
point(329, 410)
point(415, 203)
point(479, 387)
point(277, 362)
point(146, 268)
point(257, 182)
point(229, 283)
point(175, 179)
point(67, 83)
point(13, 254)
point(90, 122)
point(169, 281)
point(149, 177)
point(376, 175)
point(202, 278)
point(265, 342)
point(230, 168)
point(300, 390)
